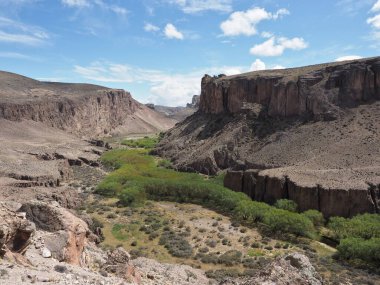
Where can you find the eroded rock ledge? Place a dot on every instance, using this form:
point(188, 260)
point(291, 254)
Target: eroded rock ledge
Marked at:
point(331, 202)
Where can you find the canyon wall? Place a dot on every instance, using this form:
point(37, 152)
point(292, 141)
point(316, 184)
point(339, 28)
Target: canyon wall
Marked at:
point(330, 201)
point(308, 91)
point(313, 132)
point(81, 109)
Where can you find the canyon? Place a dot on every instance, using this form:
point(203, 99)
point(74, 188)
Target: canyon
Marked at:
point(308, 134)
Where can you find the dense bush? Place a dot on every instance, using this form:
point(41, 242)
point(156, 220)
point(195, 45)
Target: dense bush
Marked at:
point(353, 248)
point(286, 204)
point(132, 196)
point(146, 142)
point(364, 226)
point(315, 217)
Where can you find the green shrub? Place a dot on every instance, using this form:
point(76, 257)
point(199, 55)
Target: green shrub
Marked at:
point(286, 204)
point(364, 226)
point(176, 244)
point(132, 196)
point(315, 217)
point(146, 142)
point(358, 248)
point(280, 220)
point(230, 258)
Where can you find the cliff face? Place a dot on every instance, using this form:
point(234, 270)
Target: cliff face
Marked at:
point(81, 109)
point(309, 91)
point(309, 134)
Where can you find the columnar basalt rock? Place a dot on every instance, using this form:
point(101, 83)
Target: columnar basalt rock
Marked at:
point(309, 92)
point(331, 202)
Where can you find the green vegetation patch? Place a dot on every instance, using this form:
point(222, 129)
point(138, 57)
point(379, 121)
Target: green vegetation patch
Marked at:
point(146, 142)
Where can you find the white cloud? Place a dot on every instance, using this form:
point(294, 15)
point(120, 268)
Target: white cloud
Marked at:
point(118, 10)
point(244, 22)
point(15, 55)
point(16, 32)
point(266, 35)
point(374, 21)
point(171, 89)
point(171, 32)
point(257, 65)
point(276, 46)
point(76, 3)
point(376, 6)
point(278, 67)
point(348, 57)
point(196, 6)
point(151, 28)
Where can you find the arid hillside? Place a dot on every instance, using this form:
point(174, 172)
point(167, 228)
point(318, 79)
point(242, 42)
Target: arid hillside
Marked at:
point(82, 109)
point(309, 134)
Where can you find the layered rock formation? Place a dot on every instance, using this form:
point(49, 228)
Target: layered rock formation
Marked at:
point(309, 91)
point(81, 109)
point(308, 134)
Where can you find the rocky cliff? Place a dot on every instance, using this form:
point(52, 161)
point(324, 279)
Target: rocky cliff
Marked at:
point(309, 134)
point(311, 91)
point(82, 109)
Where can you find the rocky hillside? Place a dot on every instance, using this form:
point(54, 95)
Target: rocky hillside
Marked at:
point(308, 134)
point(81, 109)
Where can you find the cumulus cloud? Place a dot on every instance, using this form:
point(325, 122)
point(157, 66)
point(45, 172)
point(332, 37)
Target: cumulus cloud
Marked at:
point(245, 22)
point(374, 21)
point(171, 89)
point(348, 57)
point(258, 64)
point(151, 28)
point(196, 6)
point(16, 32)
point(171, 32)
point(376, 6)
point(276, 46)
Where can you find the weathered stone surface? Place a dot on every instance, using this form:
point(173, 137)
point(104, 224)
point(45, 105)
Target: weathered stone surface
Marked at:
point(234, 180)
point(15, 231)
point(308, 91)
point(69, 232)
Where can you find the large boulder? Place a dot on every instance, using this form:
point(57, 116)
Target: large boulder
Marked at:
point(67, 234)
point(15, 231)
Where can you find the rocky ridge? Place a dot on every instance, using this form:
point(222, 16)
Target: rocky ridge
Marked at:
point(308, 134)
point(81, 109)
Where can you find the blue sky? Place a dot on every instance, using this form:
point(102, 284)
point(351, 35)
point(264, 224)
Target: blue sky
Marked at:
point(160, 49)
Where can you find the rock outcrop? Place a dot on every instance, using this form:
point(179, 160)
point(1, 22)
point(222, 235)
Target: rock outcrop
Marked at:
point(314, 91)
point(67, 234)
point(309, 134)
point(15, 231)
point(294, 268)
point(264, 187)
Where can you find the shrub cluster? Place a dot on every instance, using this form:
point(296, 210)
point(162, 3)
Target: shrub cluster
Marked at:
point(359, 237)
point(176, 244)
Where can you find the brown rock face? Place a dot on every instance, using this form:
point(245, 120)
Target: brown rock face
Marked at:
point(81, 109)
point(331, 202)
point(69, 233)
point(309, 92)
